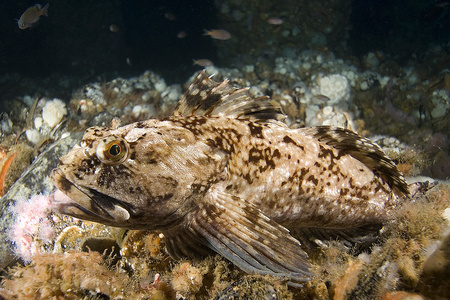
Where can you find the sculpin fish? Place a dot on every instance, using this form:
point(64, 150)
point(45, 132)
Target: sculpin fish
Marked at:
point(224, 174)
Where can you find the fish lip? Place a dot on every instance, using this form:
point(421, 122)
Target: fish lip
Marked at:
point(67, 206)
point(96, 207)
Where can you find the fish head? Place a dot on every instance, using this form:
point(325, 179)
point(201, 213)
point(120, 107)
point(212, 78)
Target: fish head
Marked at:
point(140, 176)
point(22, 24)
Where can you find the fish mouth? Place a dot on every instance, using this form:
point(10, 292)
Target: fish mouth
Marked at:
point(88, 204)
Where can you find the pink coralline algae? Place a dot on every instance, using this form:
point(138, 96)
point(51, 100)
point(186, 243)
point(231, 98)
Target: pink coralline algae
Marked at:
point(32, 226)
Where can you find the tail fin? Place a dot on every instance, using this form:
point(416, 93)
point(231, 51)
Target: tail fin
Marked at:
point(45, 9)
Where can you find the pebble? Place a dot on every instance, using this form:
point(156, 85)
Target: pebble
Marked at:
point(160, 86)
point(33, 136)
point(364, 86)
point(6, 124)
point(38, 122)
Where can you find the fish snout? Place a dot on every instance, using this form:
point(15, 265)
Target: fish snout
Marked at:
point(22, 25)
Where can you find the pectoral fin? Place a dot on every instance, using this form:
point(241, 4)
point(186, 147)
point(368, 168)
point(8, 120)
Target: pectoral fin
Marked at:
point(241, 233)
point(354, 239)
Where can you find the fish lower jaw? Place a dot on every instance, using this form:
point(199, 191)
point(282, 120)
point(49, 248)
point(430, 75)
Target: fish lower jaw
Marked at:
point(74, 201)
point(63, 204)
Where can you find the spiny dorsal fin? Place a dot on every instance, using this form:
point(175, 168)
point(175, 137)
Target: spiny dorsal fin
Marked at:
point(208, 97)
point(363, 150)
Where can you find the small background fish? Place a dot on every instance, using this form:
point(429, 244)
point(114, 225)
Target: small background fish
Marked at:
point(203, 62)
point(275, 21)
point(218, 34)
point(30, 17)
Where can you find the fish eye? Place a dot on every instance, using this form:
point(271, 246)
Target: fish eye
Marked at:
point(115, 150)
point(112, 150)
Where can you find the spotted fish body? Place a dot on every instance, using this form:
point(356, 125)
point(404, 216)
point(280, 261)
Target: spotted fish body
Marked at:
point(225, 174)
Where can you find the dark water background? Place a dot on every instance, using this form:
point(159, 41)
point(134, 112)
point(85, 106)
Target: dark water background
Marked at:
point(76, 40)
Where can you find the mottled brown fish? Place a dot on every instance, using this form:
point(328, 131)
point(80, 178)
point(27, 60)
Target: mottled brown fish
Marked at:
point(31, 16)
point(224, 173)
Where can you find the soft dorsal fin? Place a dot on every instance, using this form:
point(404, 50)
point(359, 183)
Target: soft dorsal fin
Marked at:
point(208, 97)
point(363, 150)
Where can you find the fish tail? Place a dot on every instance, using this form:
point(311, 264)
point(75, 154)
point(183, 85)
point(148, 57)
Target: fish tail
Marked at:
point(45, 9)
